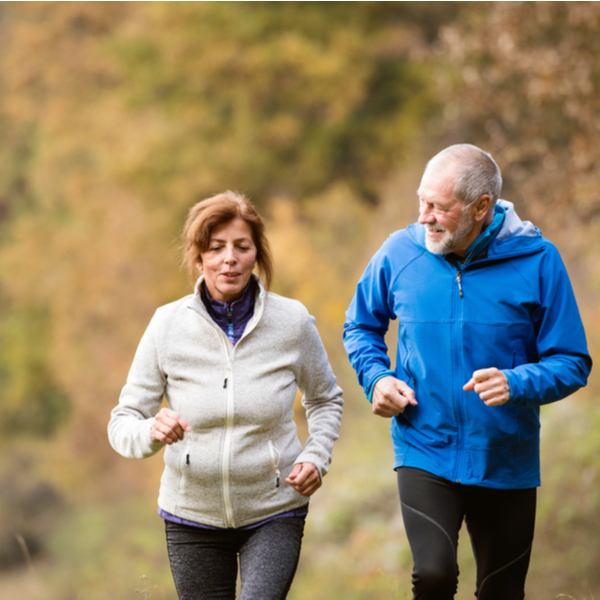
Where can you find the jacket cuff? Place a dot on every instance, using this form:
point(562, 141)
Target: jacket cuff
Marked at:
point(309, 457)
point(369, 389)
point(511, 386)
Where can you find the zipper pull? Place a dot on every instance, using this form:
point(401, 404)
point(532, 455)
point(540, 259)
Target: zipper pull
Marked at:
point(225, 383)
point(230, 322)
point(459, 281)
point(187, 459)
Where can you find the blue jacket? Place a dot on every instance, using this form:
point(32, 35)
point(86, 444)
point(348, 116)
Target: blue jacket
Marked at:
point(512, 308)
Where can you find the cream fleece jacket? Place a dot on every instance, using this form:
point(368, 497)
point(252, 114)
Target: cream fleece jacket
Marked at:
point(230, 470)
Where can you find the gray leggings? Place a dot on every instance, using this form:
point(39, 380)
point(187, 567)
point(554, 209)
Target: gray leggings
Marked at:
point(204, 562)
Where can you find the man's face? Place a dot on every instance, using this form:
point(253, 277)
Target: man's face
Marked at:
point(449, 224)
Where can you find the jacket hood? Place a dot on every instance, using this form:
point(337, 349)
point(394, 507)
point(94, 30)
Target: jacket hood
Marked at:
point(512, 223)
point(516, 237)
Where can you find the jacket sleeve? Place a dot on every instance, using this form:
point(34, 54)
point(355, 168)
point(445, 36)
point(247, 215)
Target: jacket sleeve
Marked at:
point(140, 400)
point(367, 322)
point(564, 362)
point(322, 398)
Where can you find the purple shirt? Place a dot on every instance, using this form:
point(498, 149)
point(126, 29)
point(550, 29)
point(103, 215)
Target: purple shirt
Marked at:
point(297, 512)
point(231, 317)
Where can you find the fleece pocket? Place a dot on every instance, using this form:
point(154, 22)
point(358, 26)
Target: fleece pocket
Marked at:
point(275, 459)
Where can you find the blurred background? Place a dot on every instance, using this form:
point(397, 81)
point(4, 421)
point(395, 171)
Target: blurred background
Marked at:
point(116, 117)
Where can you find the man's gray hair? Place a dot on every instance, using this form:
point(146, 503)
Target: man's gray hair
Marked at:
point(476, 172)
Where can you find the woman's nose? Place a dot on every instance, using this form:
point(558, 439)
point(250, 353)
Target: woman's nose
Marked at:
point(230, 257)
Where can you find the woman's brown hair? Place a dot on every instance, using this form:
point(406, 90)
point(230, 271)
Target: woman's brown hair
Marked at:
point(212, 212)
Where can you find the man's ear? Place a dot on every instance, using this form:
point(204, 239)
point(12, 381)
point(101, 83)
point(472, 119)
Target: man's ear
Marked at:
point(481, 207)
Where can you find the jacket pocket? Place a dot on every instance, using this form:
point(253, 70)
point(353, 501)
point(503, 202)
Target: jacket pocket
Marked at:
point(407, 375)
point(275, 460)
point(184, 463)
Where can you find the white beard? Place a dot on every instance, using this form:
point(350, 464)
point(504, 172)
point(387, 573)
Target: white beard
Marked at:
point(449, 241)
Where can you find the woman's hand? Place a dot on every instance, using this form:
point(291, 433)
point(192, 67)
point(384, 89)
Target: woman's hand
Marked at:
point(305, 478)
point(168, 427)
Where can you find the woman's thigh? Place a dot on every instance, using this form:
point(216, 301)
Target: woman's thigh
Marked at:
point(269, 558)
point(203, 562)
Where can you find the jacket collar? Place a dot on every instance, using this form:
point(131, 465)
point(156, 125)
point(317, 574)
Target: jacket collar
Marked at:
point(196, 304)
point(485, 238)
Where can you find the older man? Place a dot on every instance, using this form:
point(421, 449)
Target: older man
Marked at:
point(488, 331)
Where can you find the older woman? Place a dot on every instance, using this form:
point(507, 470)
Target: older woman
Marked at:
point(228, 360)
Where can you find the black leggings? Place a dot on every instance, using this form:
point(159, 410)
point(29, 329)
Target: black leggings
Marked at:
point(500, 524)
point(204, 562)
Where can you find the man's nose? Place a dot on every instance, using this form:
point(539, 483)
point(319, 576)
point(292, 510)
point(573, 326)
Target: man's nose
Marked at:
point(426, 215)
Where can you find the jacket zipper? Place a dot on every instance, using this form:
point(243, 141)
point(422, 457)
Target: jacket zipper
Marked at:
point(227, 443)
point(230, 321)
point(457, 360)
point(227, 448)
point(459, 282)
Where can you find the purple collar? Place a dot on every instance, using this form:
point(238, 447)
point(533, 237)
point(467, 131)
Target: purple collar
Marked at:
point(231, 317)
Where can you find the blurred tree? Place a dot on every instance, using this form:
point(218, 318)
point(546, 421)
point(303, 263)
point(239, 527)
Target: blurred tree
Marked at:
point(29, 508)
point(523, 79)
point(32, 401)
point(277, 98)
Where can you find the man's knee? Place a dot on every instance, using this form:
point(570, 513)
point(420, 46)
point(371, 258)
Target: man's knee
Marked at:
point(435, 582)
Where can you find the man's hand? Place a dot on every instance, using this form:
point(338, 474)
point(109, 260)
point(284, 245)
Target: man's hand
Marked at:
point(491, 385)
point(305, 478)
point(391, 396)
point(168, 427)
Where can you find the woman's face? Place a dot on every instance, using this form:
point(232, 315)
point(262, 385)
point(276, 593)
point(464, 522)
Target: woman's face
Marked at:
point(229, 261)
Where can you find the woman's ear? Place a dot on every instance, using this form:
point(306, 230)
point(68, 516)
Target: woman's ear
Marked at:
point(199, 265)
